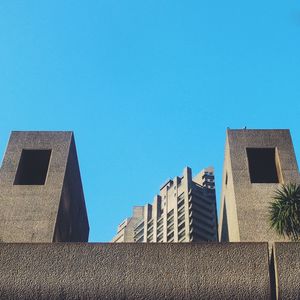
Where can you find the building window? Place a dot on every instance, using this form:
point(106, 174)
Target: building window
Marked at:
point(262, 165)
point(33, 167)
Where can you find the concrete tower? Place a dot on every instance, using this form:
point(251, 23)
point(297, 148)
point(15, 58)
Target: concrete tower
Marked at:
point(41, 196)
point(256, 163)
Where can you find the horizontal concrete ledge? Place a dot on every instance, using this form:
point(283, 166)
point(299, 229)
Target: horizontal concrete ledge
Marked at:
point(134, 271)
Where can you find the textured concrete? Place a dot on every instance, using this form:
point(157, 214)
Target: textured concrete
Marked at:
point(245, 204)
point(287, 270)
point(134, 271)
point(53, 211)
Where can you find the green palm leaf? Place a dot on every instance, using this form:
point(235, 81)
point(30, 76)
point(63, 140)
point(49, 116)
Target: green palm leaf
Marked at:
point(284, 211)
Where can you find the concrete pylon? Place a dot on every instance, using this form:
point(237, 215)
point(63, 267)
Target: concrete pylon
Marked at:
point(41, 195)
point(256, 163)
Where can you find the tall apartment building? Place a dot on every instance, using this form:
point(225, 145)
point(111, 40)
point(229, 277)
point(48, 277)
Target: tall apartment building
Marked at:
point(126, 228)
point(184, 211)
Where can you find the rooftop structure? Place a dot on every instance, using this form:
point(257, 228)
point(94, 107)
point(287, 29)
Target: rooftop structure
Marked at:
point(40, 189)
point(256, 163)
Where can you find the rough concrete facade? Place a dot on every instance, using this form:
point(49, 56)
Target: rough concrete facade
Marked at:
point(41, 200)
point(287, 270)
point(256, 163)
point(135, 271)
point(40, 189)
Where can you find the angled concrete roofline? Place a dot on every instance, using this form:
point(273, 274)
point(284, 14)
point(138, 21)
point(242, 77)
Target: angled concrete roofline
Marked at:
point(256, 163)
point(41, 189)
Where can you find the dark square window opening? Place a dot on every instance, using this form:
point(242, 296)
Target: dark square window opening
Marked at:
point(262, 165)
point(33, 167)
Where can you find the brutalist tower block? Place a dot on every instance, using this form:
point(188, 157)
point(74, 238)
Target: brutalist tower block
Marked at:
point(41, 195)
point(256, 163)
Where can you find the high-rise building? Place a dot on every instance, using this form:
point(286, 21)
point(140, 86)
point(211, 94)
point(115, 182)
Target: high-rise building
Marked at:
point(125, 231)
point(184, 211)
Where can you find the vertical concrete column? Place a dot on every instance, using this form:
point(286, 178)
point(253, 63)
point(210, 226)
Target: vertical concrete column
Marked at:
point(176, 210)
point(147, 217)
point(228, 227)
point(165, 213)
point(187, 182)
point(155, 213)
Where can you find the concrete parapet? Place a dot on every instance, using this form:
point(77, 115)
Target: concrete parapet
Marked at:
point(135, 271)
point(287, 270)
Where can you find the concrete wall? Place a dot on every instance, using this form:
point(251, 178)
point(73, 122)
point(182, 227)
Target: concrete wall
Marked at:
point(287, 270)
point(72, 220)
point(134, 271)
point(33, 213)
point(247, 202)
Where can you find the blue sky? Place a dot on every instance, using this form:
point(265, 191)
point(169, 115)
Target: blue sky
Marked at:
point(148, 87)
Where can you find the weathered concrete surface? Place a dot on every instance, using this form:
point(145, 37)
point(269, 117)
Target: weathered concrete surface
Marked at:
point(53, 211)
point(245, 204)
point(287, 270)
point(134, 271)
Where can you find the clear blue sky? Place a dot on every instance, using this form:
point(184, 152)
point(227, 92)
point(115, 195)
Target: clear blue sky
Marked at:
point(147, 86)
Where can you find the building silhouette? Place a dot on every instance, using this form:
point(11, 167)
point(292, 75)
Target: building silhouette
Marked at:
point(184, 211)
point(43, 217)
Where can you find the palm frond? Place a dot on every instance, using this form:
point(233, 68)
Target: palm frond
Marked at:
point(284, 211)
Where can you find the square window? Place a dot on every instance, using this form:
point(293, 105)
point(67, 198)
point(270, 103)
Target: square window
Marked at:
point(262, 165)
point(33, 167)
